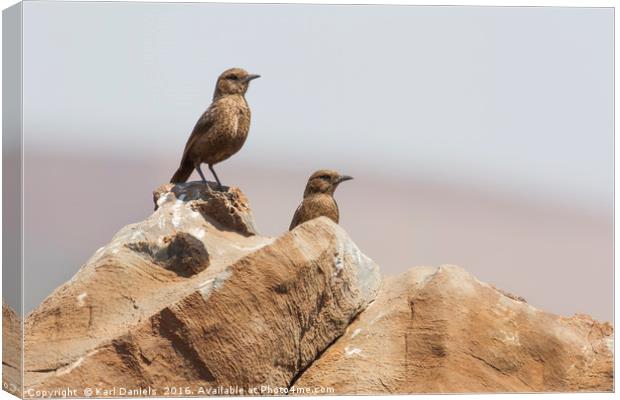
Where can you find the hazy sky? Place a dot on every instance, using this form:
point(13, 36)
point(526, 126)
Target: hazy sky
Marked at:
point(520, 98)
point(430, 108)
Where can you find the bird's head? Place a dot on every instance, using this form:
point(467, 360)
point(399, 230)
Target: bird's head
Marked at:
point(233, 81)
point(324, 181)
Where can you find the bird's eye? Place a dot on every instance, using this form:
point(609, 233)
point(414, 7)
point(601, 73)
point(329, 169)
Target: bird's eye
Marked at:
point(233, 77)
point(325, 177)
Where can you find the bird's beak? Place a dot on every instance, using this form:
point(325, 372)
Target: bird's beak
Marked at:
point(251, 77)
point(343, 178)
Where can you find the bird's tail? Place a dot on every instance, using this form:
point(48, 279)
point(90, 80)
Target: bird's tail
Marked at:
point(183, 173)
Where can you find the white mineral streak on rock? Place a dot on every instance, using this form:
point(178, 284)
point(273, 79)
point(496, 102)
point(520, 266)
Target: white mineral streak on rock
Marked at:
point(351, 351)
point(80, 299)
point(210, 285)
point(176, 213)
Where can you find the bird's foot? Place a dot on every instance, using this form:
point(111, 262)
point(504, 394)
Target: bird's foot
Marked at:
point(214, 187)
point(217, 186)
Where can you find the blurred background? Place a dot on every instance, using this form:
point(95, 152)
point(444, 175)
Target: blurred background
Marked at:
point(477, 136)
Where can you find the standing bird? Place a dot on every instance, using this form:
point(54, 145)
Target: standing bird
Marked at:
point(222, 129)
point(319, 197)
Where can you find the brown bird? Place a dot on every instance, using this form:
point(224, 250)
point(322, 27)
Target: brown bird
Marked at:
point(222, 129)
point(319, 197)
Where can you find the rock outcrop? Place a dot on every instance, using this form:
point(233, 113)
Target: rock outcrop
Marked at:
point(226, 210)
point(440, 330)
point(129, 280)
point(194, 298)
point(186, 299)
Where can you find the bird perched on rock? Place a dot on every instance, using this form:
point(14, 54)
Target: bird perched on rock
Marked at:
point(222, 129)
point(319, 197)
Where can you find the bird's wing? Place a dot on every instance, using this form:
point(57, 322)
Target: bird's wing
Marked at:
point(296, 217)
point(204, 123)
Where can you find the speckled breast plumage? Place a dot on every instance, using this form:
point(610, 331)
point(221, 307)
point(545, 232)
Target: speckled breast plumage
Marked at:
point(229, 132)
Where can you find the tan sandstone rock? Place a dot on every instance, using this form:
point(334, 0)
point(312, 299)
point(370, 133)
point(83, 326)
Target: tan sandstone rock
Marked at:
point(227, 210)
point(439, 330)
point(193, 296)
point(130, 279)
point(11, 350)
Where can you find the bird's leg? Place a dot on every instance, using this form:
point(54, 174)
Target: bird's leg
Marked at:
point(201, 174)
point(216, 178)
